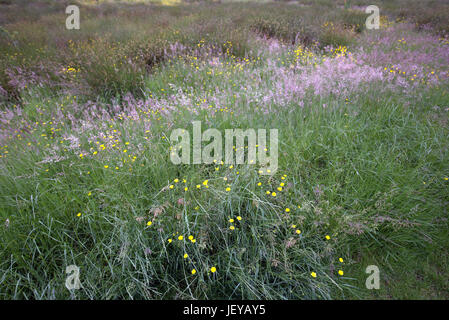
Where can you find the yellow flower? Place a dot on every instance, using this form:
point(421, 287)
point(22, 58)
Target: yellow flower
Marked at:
point(149, 223)
point(193, 271)
point(231, 220)
point(89, 194)
point(198, 186)
point(79, 214)
point(313, 274)
point(287, 209)
point(340, 272)
point(170, 240)
point(190, 237)
point(328, 237)
point(180, 237)
point(268, 192)
point(232, 227)
point(239, 218)
point(205, 182)
point(186, 256)
point(185, 189)
point(106, 166)
point(280, 188)
point(341, 260)
point(274, 194)
point(259, 184)
point(298, 231)
point(213, 269)
point(171, 186)
point(176, 180)
point(228, 189)
point(193, 240)
point(282, 184)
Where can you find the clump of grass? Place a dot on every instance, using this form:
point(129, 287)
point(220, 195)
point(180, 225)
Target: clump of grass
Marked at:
point(336, 35)
point(354, 20)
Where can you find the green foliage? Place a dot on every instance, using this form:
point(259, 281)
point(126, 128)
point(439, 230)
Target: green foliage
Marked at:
point(369, 170)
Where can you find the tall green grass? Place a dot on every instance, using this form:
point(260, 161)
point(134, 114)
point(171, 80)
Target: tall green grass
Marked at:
point(368, 171)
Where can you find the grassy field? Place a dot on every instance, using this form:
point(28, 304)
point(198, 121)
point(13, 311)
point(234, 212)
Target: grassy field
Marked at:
point(85, 171)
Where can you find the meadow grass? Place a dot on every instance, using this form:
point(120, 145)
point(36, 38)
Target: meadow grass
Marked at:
point(86, 176)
